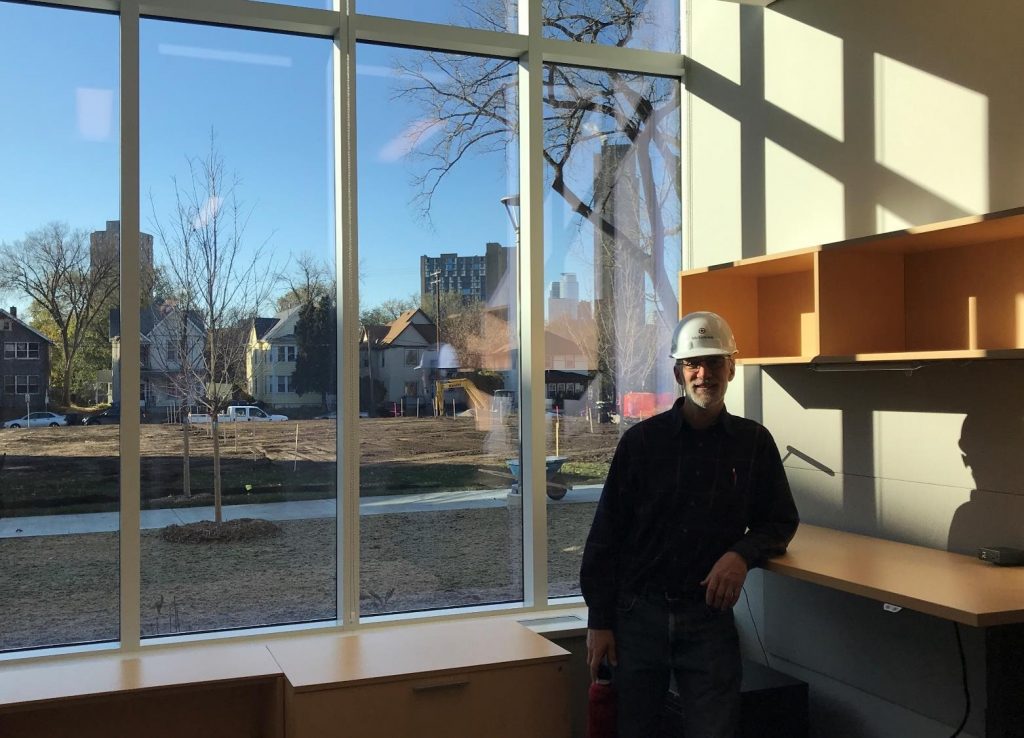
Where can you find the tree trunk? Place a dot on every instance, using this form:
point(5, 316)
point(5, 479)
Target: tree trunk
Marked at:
point(216, 469)
point(186, 477)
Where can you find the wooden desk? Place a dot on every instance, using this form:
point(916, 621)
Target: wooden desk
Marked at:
point(955, 587)
point(947, 585)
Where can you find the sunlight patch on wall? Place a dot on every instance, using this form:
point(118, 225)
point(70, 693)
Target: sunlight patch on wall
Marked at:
point(887, 221)
point(715, 36)
point(715, 197)
point(920, 447)
point(803, 73)
point(933, 132)
point(803, 205)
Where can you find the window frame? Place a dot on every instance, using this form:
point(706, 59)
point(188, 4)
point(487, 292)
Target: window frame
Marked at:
point(347, 28)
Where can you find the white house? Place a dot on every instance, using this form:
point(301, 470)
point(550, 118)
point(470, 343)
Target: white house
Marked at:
point(393, 354)
point(173, 364)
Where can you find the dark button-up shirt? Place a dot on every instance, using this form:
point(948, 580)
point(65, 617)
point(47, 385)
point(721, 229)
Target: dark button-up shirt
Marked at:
point(675, 500)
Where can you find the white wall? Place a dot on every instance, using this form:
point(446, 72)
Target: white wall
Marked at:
point(818, 120)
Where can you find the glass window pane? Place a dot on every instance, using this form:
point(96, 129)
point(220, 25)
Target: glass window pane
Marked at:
point(236, 181)
point(611, 301)
point(323, 4)
point(491, 15)
point(438, 386)
point(59, 499)
point(635, 24)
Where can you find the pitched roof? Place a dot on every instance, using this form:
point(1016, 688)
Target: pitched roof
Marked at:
point(398, 326)
point(6, 315)
point(263, 326)
point(149, 317)
point(376, 333)
point(277, 329)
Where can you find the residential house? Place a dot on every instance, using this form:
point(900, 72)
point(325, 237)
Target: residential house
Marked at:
point(270, 362)
point(173, 364)
point(24, 366)
point(399, 355)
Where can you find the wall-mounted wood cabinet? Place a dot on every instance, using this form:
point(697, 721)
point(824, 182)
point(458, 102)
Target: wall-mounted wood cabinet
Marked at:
point(950, 290)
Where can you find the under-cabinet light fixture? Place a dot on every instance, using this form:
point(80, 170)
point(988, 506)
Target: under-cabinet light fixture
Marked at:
point(908, 367)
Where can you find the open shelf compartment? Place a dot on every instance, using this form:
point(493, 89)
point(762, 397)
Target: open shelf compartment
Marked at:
point(953, 290)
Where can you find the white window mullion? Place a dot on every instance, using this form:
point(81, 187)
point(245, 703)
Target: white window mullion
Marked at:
point(130, 566)
point(531, 315)
point(347, 261)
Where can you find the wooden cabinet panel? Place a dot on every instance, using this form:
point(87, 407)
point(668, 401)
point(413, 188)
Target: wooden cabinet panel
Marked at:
point(947, 290)
point(239, 710)
point(524, 701)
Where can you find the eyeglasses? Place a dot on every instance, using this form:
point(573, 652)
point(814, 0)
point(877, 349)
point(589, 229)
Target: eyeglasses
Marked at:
point(710, 363)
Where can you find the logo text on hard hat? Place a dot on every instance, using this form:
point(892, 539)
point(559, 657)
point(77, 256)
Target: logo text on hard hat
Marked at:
point(702, 330)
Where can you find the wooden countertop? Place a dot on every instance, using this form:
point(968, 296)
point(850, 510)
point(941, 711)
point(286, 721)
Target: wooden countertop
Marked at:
point(321, 662)
point(91, 676)
point(947, 585)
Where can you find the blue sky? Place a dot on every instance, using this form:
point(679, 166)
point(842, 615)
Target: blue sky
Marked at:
point(268, 99)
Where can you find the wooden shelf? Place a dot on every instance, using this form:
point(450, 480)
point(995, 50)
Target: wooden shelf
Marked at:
point(952, 290)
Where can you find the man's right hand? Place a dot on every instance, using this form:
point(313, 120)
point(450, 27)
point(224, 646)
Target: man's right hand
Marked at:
point(600, 645)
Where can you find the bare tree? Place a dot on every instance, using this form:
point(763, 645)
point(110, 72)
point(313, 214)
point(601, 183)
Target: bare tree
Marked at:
point(309, 280)
point(388, 310)
point(52, 267)
point(470, 100)
point(220, 281)
point(461, 325)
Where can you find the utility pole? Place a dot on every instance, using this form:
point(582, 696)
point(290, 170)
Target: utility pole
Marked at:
point(435, 282)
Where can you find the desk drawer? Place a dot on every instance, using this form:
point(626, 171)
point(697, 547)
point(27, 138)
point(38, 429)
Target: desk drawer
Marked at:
point(523, 701)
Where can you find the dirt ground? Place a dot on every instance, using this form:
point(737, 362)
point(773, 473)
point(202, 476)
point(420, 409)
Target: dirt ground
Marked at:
point(76, 468)
point(60, 589)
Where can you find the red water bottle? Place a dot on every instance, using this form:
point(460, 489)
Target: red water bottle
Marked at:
point(602, 714)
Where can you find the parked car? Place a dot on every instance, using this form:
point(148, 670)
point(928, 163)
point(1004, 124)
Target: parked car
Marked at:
point(38, 419)
point(110, 416)
point(332, 415)
point(238, 414)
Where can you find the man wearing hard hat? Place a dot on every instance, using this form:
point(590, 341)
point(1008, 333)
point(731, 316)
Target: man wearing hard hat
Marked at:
point(694, 498)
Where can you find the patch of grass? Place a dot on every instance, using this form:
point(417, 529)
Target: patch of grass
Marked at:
point(400, 479)
point(585, 471)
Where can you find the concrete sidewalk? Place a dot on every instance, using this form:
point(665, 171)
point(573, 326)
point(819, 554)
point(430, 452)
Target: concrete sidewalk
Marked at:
point(55, 525)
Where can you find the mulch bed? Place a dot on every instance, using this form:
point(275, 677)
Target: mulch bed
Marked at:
point(207, 531)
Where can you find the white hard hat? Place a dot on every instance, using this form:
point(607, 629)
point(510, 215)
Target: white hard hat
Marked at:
point(702, 334)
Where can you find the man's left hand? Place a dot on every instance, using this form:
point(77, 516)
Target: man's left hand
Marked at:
point(725, 581)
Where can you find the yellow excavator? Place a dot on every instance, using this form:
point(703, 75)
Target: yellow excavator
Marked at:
point(478, 399)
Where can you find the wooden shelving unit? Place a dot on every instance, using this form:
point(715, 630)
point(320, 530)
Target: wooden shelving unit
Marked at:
point(952, 290)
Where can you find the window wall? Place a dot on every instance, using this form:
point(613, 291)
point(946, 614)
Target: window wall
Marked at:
point(610, 300)
point(237, 197)
point(59, 491)
point(402, 281)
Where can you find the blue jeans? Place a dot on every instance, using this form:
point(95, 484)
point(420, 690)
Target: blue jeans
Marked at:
point(699, 646)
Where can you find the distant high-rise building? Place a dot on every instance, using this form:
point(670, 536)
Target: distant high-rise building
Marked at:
point(106, 245)
point(564, 298)
point(471, 277)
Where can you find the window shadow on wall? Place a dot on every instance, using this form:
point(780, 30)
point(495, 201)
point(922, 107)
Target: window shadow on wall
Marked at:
point(989, 394)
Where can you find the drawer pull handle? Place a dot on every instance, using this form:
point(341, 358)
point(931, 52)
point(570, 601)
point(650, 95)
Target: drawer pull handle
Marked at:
point(440, 684)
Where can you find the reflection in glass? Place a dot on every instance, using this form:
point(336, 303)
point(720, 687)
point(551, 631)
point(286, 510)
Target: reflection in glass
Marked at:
point(612, 246)
point(58, 478)
point(634, 24)
point(440, 525)
point(238, 344)
point(492, 15)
